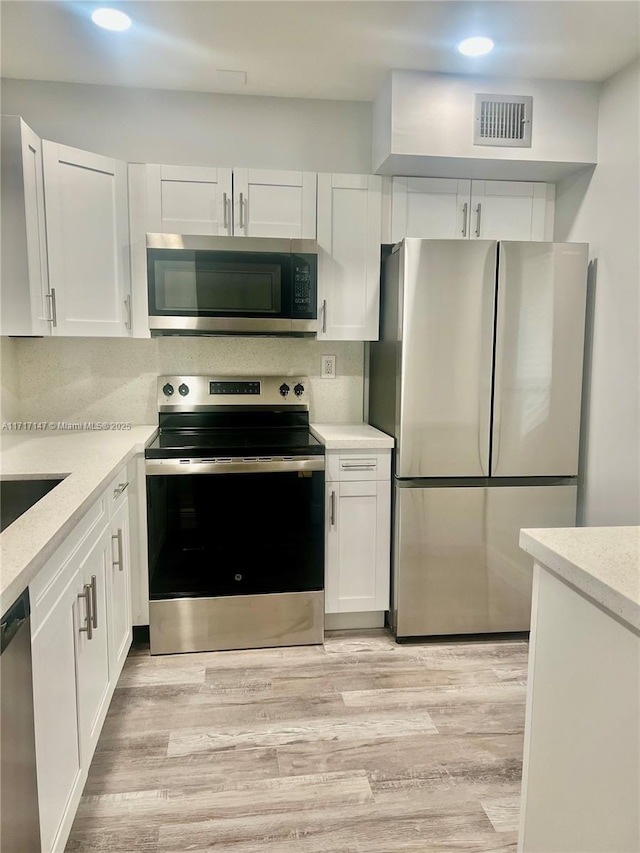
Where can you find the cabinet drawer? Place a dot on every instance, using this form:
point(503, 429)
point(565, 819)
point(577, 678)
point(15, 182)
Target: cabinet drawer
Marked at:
point(117, 492)
point(354, 465)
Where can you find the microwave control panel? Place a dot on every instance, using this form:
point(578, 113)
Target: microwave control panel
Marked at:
point(304, 289)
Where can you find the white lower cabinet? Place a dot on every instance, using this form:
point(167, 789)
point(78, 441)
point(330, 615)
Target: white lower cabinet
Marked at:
point(60, 777)
point(357, 511)
point(92, 647)
point(119, 588)
point(81, 633)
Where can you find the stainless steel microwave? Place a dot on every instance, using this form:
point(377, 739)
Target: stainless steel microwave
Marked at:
point(231, 285)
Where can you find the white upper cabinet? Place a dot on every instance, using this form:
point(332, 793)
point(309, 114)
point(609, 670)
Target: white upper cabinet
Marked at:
point(239, 202)
point(210, 201)
point(88, 241)
point(446, 208)
point(269, 203)
point(349, 236)
point(26, 309)
point(430, 207)
point(188, 200)
point(512, 210)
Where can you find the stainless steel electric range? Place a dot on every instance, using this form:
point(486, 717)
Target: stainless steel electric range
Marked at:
point(235, 508)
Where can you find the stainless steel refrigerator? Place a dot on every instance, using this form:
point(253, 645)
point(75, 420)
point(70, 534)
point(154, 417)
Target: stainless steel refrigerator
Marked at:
point(478, 376)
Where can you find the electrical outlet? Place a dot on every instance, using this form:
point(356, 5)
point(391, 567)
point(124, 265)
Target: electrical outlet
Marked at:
point(328, 368)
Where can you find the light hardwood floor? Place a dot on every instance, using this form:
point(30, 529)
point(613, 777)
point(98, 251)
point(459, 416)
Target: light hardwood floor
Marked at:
point(360, 746)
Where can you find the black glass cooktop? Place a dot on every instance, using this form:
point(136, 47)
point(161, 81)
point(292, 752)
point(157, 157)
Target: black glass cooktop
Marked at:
point(261, 442)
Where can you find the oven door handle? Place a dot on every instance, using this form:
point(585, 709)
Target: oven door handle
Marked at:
point(167, 467)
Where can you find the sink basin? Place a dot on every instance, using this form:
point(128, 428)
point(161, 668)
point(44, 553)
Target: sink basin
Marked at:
point(17, 496)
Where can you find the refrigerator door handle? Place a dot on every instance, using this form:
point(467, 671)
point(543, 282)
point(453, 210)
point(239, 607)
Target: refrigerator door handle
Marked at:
point(486, 367)
point(498, 364)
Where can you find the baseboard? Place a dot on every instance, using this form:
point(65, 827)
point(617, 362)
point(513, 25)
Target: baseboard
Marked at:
point(344, 621)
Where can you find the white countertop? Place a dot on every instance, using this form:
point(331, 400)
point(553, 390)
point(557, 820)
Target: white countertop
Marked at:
point(602, 562)
point(88, 459)
point(351, 437)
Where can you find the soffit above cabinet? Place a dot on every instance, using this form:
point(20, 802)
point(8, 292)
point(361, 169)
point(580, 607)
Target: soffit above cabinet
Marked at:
point(423, 125)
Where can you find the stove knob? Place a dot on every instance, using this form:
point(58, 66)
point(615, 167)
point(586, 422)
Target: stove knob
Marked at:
point(167, 389)
point(284, 389)
point(183, 390)
point(298, 390)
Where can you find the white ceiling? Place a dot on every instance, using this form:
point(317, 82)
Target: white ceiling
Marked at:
point(313, 48)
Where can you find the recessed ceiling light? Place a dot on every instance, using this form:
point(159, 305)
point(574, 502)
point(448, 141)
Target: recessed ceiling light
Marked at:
point(476, 46)
point(111, 19)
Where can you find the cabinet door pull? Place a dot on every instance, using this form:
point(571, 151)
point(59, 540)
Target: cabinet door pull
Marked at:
point(241, 210)
point(465, 213)
point(94, 600)
point(333, 509)
point(121, 487)
point(127, 307)
point(324, 316)
point(118, 538)
point(53, 319)
point(357, 466)
point(478, 219)
point(225, 214)
point(88, 629)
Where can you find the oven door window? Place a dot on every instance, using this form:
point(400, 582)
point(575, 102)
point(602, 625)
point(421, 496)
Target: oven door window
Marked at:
point(223, 284)
point(235, 534)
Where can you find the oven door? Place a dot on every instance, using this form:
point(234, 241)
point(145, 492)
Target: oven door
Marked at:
point(236, 553)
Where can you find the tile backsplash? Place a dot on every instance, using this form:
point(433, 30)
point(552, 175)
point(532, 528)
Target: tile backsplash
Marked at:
point(9, 399)
point(114, 379)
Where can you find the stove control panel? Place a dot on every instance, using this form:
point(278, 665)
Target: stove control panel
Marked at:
point(197, 392)
point(234, 387)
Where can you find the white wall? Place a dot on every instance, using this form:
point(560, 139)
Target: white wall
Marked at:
point(114, 379)
point(602, 208)
point(102, 379)
point(196, 128)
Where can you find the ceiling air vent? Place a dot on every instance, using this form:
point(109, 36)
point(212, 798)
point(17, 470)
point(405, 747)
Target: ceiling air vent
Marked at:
point(503, 120)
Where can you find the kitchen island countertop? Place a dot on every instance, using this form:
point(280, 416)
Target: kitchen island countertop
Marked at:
point(351, 436)
point(603, 563)
point(87, 460)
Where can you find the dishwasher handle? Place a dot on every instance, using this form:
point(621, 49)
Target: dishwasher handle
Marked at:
point(14, 619)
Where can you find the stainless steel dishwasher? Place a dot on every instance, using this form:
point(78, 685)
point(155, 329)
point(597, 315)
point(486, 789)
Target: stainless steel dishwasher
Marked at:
point(20, 821)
